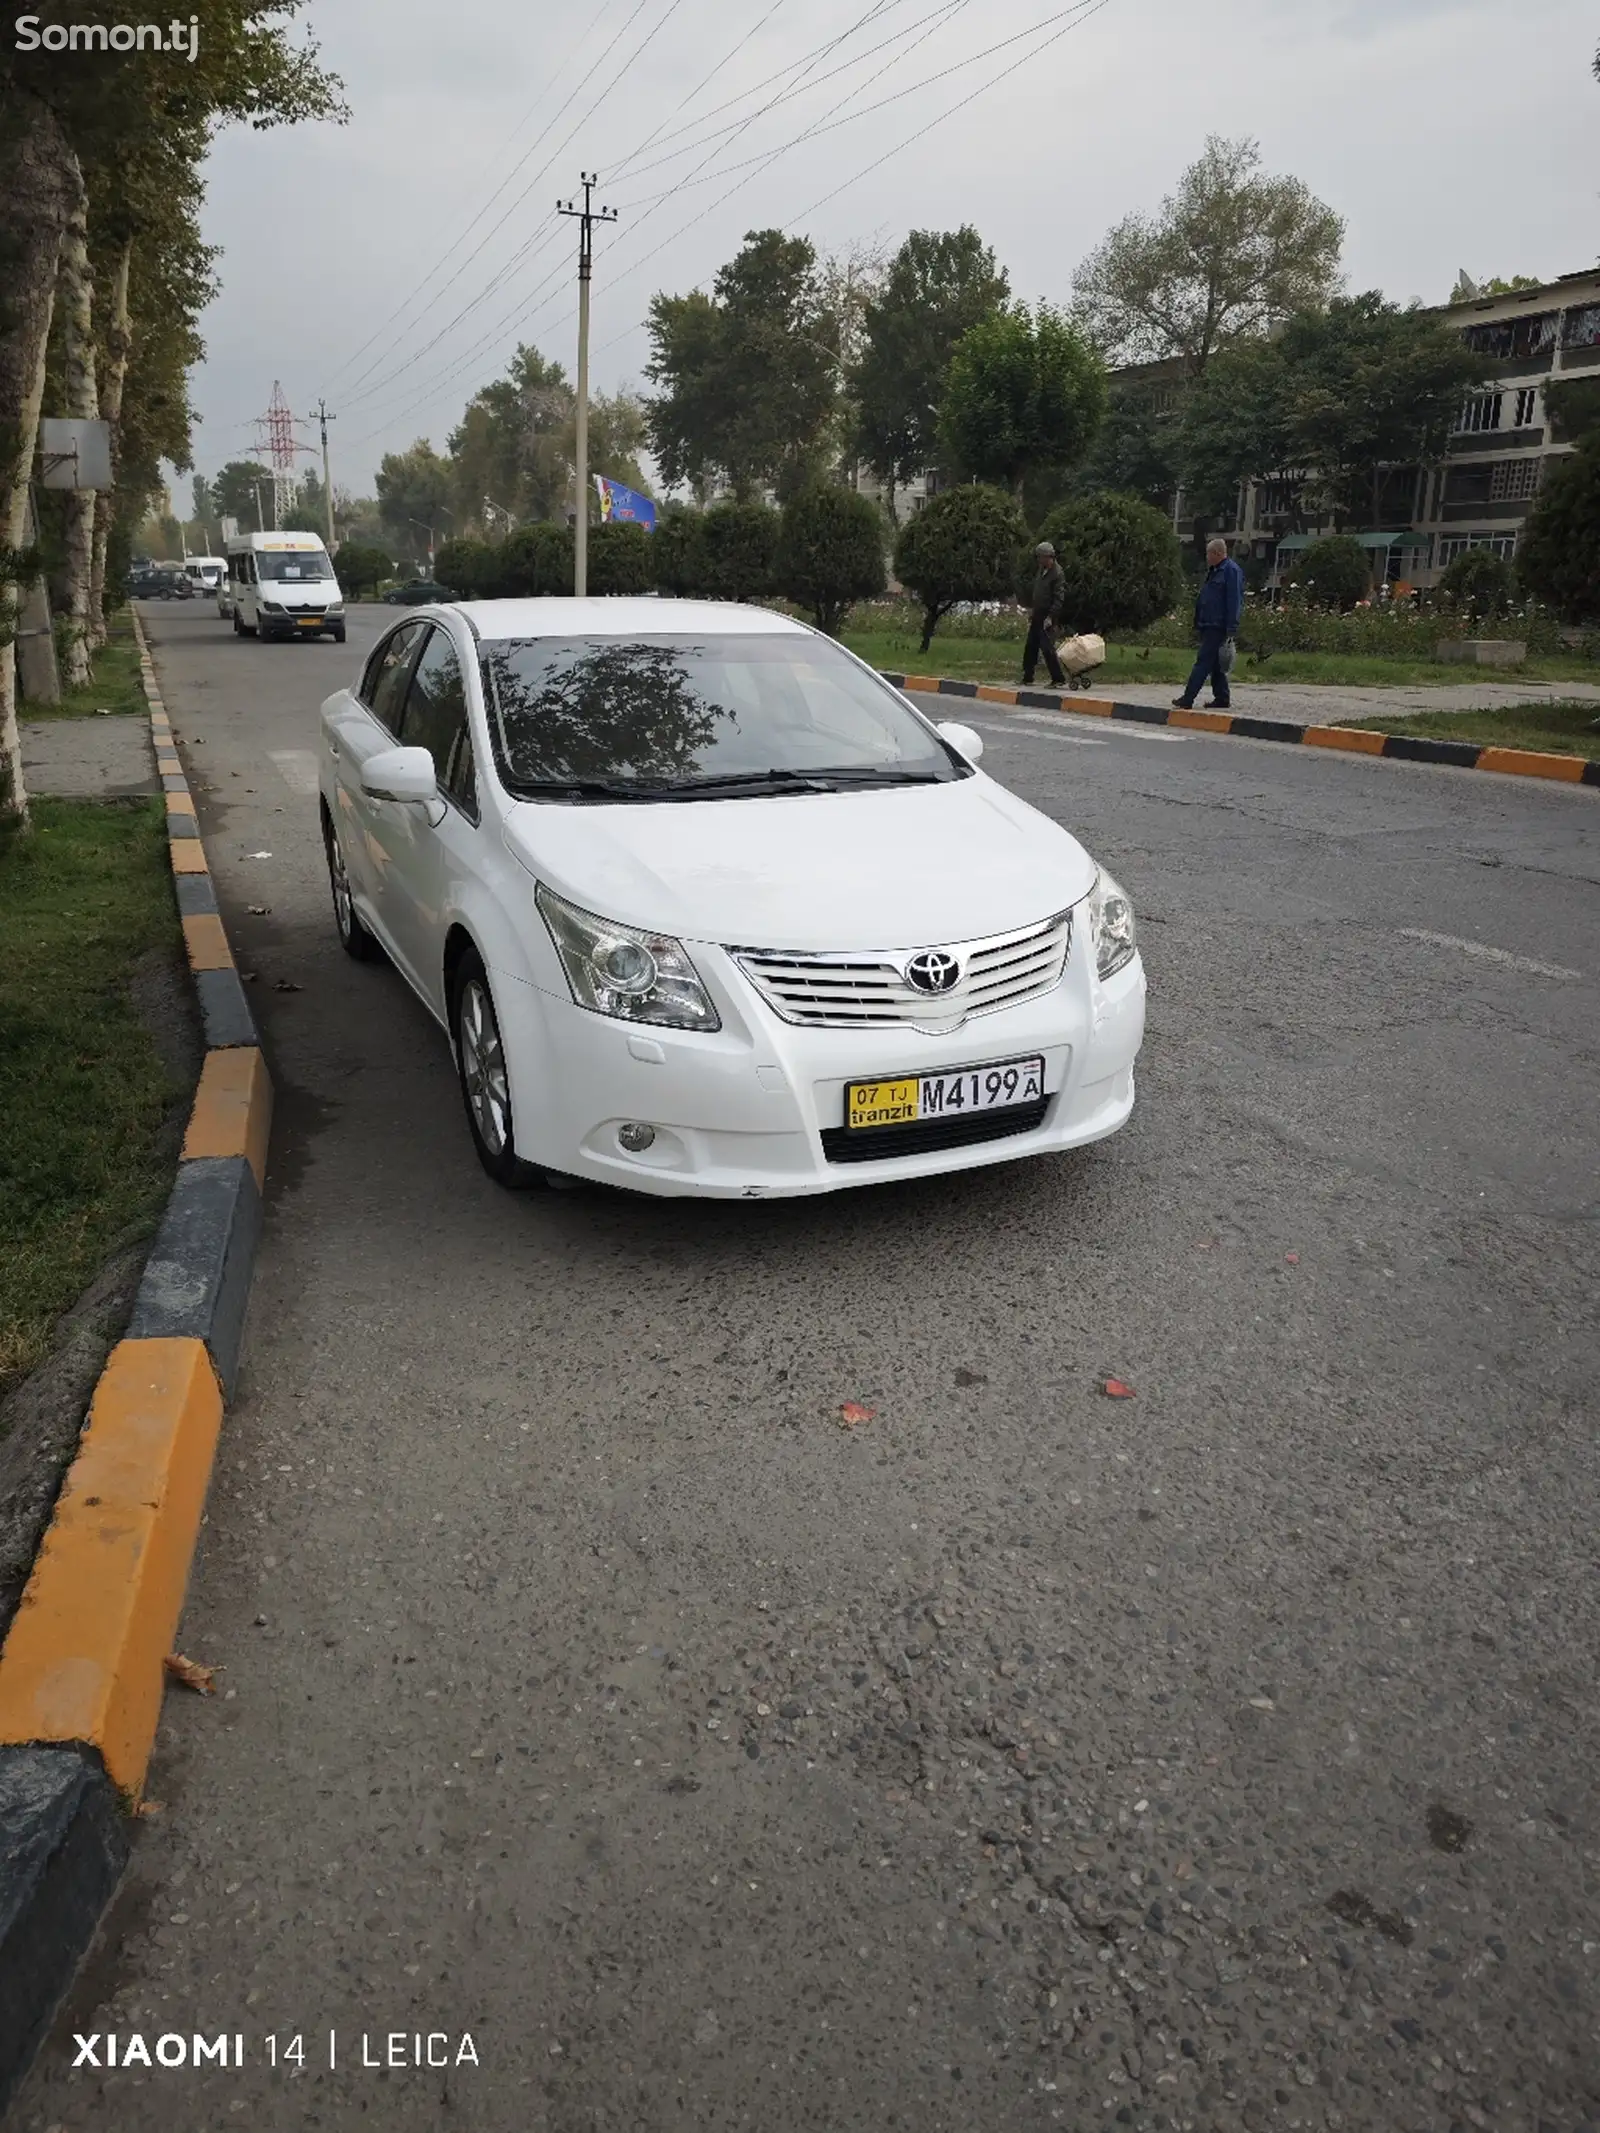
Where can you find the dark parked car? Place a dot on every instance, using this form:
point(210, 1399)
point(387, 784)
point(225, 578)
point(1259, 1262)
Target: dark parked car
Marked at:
point(172, 583)
point(417, 592)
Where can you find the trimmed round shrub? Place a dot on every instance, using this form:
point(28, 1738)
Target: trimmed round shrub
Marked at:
point(1479, 579)
point(619, 558)
point(679, 551)
point(536, 562)
point(1336, 572)
point(739, 543)
point(961, 546)
point(830, 553)
point(1121, 561)
point(361, 567)
point(471, 568)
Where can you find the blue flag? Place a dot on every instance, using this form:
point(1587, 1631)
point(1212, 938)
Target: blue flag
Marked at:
point(618, 501)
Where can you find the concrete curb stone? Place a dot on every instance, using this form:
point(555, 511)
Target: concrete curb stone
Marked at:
point(82, 1667)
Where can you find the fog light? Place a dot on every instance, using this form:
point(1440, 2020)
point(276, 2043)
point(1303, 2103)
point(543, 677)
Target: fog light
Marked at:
point(636, 1139)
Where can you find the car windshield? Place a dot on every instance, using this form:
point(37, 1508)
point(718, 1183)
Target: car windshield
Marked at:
point(647, 717)
point(296, 565)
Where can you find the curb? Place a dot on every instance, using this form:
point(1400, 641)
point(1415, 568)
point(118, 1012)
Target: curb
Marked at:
point(1461, 755)
point(82, 1669)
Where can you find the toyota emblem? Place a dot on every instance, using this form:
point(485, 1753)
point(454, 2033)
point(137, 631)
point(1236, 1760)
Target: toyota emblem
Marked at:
point(933, 970)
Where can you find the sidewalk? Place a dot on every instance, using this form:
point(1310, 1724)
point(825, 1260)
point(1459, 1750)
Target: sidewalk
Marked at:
point(89, 758)
point(1322, 703)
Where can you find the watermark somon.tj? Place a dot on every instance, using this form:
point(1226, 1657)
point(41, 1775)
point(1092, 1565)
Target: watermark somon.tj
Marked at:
point(179, 35)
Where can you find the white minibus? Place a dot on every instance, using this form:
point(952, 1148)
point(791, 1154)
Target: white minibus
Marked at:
point(282, 585)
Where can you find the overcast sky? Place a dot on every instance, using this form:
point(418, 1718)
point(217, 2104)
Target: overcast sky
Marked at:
point(1447, 133)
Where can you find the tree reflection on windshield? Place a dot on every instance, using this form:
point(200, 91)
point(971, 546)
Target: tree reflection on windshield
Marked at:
point(608, 710)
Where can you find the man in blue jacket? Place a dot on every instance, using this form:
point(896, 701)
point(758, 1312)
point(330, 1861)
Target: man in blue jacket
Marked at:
point(1216, 621)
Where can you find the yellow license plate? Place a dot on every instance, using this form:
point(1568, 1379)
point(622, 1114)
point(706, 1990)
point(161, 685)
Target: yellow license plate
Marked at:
point(883, 1103)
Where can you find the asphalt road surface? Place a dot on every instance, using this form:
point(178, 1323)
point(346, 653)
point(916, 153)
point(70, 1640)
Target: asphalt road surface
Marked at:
point(1221, 1757)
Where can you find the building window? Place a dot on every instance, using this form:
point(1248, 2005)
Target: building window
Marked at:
point(1513, 479)
point(1277, 499)
point(1582, 329)
point(1453, 544)
point(1480, 411)
point(1507, 339)
point(1527, 408)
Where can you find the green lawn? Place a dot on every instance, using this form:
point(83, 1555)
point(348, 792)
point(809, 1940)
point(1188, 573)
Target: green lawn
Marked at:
point(84, 895)
point(1556, 729)
point(990, 659)
point(116, 679)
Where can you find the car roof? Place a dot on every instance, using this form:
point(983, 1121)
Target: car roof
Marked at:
point(622, 617)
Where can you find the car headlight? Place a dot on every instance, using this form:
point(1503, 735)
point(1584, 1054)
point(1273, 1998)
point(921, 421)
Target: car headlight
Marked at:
point(273, 607)
point(1111, 925)
point(623, 971)
point(335, 607)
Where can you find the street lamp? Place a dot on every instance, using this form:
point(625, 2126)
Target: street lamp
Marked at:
point(428, 530)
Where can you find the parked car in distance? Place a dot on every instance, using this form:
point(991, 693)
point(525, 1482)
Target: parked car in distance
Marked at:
point(170, 583)
point(417, 592)
point(706, 907)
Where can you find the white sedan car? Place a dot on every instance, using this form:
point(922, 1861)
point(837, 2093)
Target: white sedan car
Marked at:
point(706, 906)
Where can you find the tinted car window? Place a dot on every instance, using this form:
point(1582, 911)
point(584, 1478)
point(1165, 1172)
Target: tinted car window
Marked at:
point(383, 687)
point(436, 710)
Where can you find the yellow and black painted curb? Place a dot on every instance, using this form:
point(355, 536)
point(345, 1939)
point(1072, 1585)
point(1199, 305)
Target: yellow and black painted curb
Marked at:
point(1461, 755)
point(83, 1665)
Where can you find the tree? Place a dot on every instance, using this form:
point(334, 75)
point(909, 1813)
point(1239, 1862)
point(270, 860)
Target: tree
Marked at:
point(1558, 559)
point(939, 283)
point(1231, 251)
point(1134, 450)
point(830, 552)
point(106, 110)
point(362, 567)
point(679, 551)
point(620, 560)
point(536, 562)
point(1235, 426)
point(1372, 386)
point(1023, 396)
point(412, 488)
point(749, 382)
point(738, 547)
point(1336, 572)
point(1121, 562)
point(242, 490)
point(618, 433)
point(1572, 407)
point(962, 545)
point(513, 444)
point(1479, 579)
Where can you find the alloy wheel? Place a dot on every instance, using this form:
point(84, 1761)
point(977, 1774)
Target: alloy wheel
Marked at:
point(483, 1066)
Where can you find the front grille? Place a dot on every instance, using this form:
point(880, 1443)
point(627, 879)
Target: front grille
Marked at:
point(840, 1145)
point(869, 989)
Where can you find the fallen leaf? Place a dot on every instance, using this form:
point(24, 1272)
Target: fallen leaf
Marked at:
point(1293, 1258)
point(146, 1809)
point(259, 910)
point(971, 1377)
point(1262, 1703)
point(249, 976)
point(1206, 1244)
point(1117, 1389)
point(258, 855)
point(286, 985)
point(852, 1414)
point(191, 1673)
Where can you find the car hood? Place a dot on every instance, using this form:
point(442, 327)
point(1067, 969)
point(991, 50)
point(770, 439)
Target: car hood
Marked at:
point(293, 593)
point(897, 867)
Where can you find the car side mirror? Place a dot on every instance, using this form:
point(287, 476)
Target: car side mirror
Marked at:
point(400, 774)
point(962, 739)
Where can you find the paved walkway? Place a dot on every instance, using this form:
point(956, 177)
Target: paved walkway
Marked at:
point(1312, 703)
point(89, 758)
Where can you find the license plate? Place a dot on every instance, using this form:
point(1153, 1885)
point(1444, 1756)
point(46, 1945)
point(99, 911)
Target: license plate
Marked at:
point(310, 622)
point(913, 1099)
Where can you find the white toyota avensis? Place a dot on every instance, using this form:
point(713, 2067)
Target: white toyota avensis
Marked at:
point(706, 906)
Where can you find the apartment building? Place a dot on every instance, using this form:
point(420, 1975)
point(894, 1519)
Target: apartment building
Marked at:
point(1480, 493)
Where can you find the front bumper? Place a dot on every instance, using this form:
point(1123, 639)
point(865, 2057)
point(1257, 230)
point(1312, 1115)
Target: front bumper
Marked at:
point(741, 1114)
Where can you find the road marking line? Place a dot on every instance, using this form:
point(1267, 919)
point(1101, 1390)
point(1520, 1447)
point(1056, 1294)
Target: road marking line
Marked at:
point(1127, 729)
point(1073, 740)
point(1488, 954)
point(298, 768)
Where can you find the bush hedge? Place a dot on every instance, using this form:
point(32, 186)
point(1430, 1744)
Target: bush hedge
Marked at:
point(1120, 560)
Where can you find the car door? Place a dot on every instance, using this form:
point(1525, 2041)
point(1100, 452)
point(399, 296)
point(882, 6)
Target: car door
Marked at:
point(365, 723)
point(427, 848)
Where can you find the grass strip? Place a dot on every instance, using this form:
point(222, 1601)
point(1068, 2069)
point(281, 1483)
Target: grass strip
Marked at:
point(85, 901)
point(115, 686)
point(1000, 660)
point(1549, 728)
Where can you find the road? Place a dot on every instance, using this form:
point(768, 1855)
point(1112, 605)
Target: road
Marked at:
point(1222, 1757)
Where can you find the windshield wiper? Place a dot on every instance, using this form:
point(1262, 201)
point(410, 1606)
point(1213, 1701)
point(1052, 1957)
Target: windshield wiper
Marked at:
point(782, 779)
point(585, 788)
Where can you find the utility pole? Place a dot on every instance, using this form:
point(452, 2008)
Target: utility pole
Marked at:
point(587, 215)
point(327, 480)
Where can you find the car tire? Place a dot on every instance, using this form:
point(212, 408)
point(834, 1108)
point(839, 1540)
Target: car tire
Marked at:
point(238, 626)
point(337, 636)
point(485, 1084)
point(354, 938)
